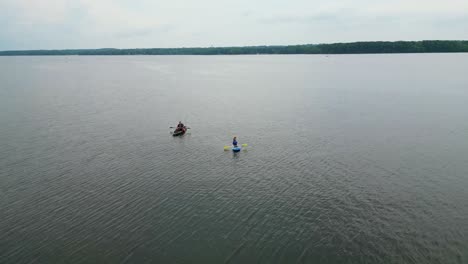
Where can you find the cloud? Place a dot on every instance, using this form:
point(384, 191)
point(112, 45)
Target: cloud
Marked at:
point(143, 32)
point(108, 17)
point(72, 22)
point(100, 16)
point(30, 24)
point(316, 17)
point(33, 13)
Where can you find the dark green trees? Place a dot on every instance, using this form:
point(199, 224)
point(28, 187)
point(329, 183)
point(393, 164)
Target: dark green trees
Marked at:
point(336, 48)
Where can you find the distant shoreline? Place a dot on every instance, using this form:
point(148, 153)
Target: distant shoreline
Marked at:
point(369, 47)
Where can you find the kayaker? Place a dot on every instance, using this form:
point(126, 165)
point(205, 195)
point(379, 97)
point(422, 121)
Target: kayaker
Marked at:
point(180, 125)
point(234, 142)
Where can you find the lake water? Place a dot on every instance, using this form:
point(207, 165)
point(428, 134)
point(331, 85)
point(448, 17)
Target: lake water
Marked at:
point(351, 159)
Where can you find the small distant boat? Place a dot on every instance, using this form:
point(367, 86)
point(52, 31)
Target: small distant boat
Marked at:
point(236, 149)
point(179, 131)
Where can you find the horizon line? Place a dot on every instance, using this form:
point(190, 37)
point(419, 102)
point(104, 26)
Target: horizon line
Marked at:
point(246, 46)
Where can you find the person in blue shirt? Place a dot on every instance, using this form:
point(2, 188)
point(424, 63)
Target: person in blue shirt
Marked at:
point(234, 142)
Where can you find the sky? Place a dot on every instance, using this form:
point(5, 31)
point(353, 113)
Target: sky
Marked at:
point(71, 24)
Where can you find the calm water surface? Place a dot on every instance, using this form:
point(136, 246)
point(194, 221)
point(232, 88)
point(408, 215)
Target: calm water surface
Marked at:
point(351, 159)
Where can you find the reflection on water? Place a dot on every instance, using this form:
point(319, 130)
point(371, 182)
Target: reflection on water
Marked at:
point(351, 159)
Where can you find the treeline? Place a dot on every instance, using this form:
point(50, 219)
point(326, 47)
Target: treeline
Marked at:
point(427, 46)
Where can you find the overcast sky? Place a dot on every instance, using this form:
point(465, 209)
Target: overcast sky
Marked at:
point(60, 24)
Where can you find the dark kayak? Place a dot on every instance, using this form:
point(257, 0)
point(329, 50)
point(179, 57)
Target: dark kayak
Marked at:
point(179, 132)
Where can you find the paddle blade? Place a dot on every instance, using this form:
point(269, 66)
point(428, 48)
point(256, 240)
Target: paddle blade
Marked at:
point(227, 147)
point(244, 145)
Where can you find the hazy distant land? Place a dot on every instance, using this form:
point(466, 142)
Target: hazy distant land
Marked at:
point(426, 46)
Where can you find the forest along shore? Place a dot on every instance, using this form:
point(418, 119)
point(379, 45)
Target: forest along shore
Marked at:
point(426, 46)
